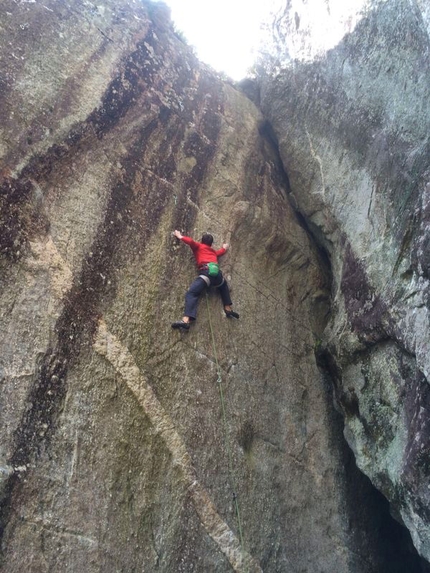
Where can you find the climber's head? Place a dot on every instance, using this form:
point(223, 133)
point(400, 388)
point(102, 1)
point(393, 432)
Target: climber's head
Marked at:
point(207, 239)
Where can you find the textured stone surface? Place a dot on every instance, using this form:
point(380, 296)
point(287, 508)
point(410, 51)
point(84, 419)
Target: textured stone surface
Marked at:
point(114, 449)
point(353, 125)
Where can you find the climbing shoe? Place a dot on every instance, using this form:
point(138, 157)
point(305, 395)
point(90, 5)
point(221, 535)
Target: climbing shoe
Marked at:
point(231, 314)
point(181, 324)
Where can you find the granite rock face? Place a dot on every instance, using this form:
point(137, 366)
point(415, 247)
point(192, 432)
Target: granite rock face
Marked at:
point(353, 126)
point(118, 452)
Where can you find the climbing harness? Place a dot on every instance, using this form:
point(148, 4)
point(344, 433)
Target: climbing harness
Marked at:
point(208, 281)
point(224, 418)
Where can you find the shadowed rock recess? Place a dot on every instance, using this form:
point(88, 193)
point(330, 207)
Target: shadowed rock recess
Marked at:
point(127, 446)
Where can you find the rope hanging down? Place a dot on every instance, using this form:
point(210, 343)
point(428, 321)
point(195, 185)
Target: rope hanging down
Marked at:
point(224, 418)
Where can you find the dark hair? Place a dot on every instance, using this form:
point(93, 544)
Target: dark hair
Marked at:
point(207, 239)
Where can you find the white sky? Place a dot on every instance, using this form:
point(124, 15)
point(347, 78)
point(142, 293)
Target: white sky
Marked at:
point(227, 33)
point(223, 32)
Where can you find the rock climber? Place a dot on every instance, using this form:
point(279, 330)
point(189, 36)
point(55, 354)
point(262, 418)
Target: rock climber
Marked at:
point(209, 275)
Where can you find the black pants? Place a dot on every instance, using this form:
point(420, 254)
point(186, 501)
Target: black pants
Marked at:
point(198, 286)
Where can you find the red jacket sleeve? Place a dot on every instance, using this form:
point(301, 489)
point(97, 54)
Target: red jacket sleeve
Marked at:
point(190, 242)
point(220, 252)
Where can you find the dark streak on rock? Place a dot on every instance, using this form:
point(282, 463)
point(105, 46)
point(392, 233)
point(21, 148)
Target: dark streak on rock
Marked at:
point(139, 77)
point(19, 220)
point(19, 217)
point(367, 312)
point(83, 306)
point(137, 72)
point(96, 285)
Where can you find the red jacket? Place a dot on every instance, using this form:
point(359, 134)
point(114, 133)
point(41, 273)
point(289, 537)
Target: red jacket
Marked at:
point(203, 253)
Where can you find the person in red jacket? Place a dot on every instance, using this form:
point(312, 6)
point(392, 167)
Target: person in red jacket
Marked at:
point(209, 275)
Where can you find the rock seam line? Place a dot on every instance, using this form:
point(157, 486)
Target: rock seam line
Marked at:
point(108, 346)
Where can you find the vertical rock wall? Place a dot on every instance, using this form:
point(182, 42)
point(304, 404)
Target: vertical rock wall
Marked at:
point(116, 453)
point(353, 125)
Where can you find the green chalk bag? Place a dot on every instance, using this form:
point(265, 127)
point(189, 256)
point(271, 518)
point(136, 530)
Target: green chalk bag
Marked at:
point(213, 269)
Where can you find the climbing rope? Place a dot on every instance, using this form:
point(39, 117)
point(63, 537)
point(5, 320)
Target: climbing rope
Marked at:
point(224, 417)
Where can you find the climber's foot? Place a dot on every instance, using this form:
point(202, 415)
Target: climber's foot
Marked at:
point(181, 324)
point(231, 314)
